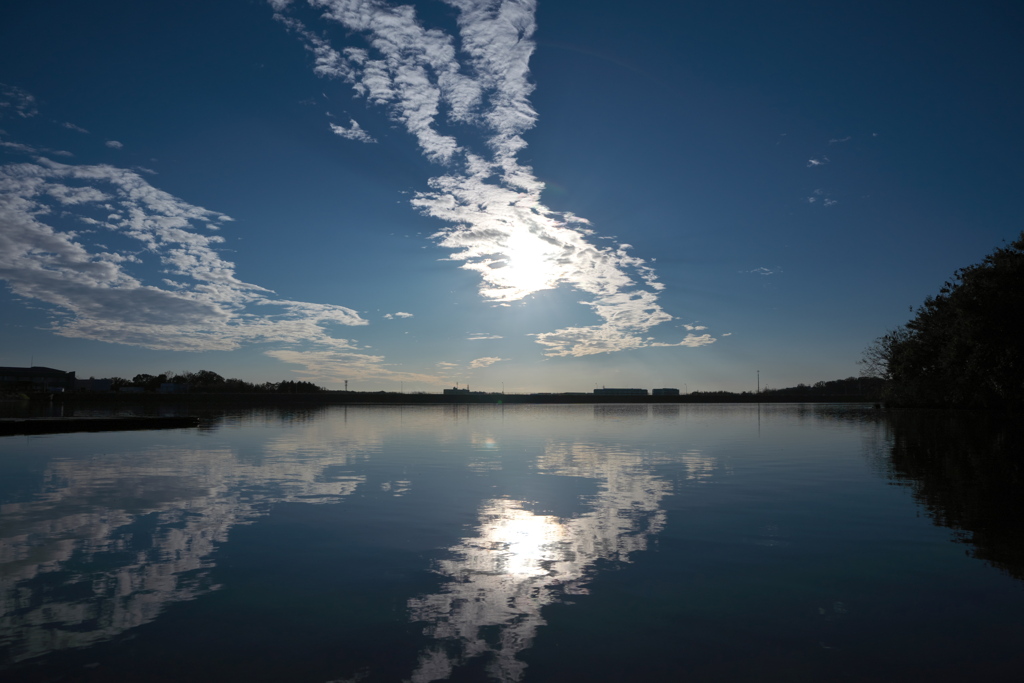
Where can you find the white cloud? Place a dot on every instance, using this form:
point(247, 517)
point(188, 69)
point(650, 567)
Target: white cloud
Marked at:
point(823, 197)
point(14, 100)
point(835, 141)
point(811, 163)
point(353, 132)
point(483, 362)
point(497, 225)
point(337, 365)
point(692, 341)
point(71, 126)
point(29, 149)
point(587, 341)
point(479, 336)
point(114, 144)
point(399, 314)
point(415, 73)
point(94, 295)
point(762, 271)
point(695, 327)
point(18, 147)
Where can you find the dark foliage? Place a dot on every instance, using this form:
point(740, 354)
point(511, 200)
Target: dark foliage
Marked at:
point(209, 382)
point(965, 468)
point(963, 346)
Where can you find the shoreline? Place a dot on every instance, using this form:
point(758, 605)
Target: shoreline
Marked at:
point(21, 426)
point(89, 400)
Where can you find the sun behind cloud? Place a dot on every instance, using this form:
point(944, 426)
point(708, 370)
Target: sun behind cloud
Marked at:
point(441, 85)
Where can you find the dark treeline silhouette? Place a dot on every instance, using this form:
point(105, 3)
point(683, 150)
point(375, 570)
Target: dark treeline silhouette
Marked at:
point(206, 382)
point(842, 390)
point(867, 388)
point(963, 346)
point(965, 469)
point(209, 382)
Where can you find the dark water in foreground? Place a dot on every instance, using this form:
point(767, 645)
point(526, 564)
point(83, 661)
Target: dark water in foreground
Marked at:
point(554, 543)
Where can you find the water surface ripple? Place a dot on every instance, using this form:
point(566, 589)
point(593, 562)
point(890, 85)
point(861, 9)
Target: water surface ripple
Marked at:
point(517, 543)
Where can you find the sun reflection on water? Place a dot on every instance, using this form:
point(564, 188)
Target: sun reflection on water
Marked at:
point(522, 542)
point(517, 562)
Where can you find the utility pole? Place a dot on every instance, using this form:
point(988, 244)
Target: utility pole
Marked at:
point(346, 385)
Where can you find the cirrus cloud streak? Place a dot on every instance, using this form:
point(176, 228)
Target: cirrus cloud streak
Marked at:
point(496, 224)
point(49, 209)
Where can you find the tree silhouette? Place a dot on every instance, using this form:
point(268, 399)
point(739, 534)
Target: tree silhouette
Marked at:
point(963, 346)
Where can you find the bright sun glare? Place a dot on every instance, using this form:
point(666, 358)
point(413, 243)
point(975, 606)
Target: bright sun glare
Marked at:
point(524, 541)
point(529, 265)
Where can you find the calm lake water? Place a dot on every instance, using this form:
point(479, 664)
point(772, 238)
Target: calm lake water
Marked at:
point(525, 543)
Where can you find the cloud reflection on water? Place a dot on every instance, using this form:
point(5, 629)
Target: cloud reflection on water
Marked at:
point(518, 562)
point(114, 538)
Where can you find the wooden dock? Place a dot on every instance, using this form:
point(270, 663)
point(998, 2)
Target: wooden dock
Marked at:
point(10, 426)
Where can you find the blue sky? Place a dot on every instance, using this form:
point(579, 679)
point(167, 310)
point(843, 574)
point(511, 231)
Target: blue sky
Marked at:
point(544, 196)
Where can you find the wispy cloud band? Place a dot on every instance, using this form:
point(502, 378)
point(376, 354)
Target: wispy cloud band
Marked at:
point(497, 225)
point(47, 208)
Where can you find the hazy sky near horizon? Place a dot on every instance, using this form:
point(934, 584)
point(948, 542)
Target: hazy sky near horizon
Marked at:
point(540, 196)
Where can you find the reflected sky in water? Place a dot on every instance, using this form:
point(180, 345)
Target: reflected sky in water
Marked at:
point(122, 533)
point(487, 543)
